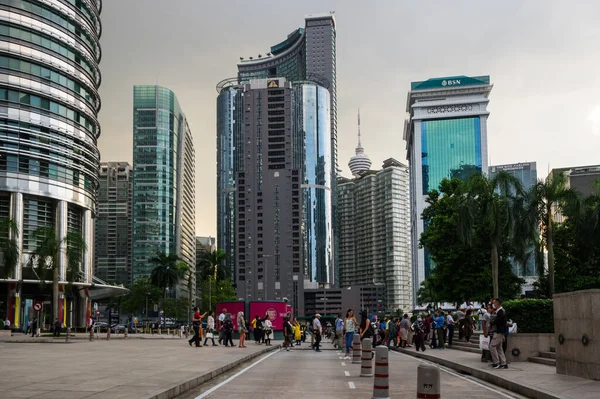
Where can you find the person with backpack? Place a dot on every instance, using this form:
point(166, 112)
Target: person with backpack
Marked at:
point(419, 329)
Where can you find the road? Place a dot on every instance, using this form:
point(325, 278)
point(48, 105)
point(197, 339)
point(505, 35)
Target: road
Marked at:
point(304, 373)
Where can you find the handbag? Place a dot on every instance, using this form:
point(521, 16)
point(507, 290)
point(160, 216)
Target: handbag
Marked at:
point(210, 334)
point(484, 343)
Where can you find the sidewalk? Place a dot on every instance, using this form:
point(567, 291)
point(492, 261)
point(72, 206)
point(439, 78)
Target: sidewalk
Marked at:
point(23, 339)
point(125, 369)
point(532, 380)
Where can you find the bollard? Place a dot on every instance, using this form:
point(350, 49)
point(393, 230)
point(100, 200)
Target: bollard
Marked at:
point(125, 332)
point(381, 385)
point(68, 334)
point(356, 349)
point(428, 382)
point(366, 361)
point(108, 334)
point(91, 334)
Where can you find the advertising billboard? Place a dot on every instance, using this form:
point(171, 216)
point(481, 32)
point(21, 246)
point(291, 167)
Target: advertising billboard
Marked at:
point(276, 310)
point(232, 307)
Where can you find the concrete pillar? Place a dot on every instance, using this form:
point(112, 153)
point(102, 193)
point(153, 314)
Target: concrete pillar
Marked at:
point(88, 236)
point(62, 210)
point(16, 214)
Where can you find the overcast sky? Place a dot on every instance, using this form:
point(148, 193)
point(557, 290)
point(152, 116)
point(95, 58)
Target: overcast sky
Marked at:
point(543, 58)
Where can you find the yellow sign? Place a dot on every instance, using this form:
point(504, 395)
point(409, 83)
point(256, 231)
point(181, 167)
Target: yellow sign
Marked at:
point(272, 84)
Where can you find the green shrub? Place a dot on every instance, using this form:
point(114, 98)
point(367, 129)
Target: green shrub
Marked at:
point(531, 315)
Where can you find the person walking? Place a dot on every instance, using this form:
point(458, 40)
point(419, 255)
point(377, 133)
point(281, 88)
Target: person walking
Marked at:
point(486, 325)
point(419, 329)
point(220, 326)
point(460, 316)
point(196, 323)
point(257, 326)
point(404, 327)
point(297, 333)
point(450, 327)
point(349, 328)
point(228, 330)
point(498, 357)
point(288, 332)
point(468, 325)
point(242, 329)
point(339, 328)
point(439, 328)
point(267, 330)
point(317, 331)
point(56, 327)
point(210, 329)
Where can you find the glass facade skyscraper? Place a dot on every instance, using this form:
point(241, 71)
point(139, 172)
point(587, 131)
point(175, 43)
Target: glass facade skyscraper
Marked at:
point(163, 180)
point(49, 160)
point(446, 136)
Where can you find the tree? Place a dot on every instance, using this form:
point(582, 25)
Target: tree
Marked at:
point(141, 293)
point(176, 308)
point(9, 251)
point(223, 291)
point(492, 201)
point(461, 269)
point(45, 258)
point(167, 272)
point(208, 266)
point(552, 193)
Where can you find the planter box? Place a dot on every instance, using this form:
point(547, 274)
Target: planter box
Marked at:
point(528, 345)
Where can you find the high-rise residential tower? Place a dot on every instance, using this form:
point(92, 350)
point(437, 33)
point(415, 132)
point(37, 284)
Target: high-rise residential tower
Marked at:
point(112, 244)
point(163, 181)
point(49, 159)
point(374, 223)
point(307, 55)
point(446, 136)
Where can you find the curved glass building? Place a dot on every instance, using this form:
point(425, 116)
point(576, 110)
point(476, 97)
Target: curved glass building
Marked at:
point(49, 160)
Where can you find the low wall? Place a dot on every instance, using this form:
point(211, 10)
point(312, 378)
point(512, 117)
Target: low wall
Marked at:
point(528, 345)
point(577, 329)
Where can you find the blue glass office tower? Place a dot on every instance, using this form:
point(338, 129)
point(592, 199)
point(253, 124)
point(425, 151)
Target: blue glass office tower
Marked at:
point(163, 181)
point(446, 136)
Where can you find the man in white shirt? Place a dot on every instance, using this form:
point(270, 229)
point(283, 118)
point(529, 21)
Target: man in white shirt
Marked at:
point(317, 330)
point(221, 320)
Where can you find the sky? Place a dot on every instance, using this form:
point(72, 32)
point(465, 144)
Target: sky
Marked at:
point(543, 58)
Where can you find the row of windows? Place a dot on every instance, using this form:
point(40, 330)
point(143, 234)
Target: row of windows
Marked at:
point(45, 73)
point(56, 18)
point(46, 104)
point(51, 44)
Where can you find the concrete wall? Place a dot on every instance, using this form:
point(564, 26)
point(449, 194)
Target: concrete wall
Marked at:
point(529, 345)
point(575, 315)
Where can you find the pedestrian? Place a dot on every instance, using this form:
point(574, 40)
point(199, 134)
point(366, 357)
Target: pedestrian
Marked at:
point(257, 328)
point(404, 327)
point(349, 328)
point(242, 329)
point(419, 329)
point(288, 332)
point(220, 325)
point(468, 324)
point(486, 318)
point(196, 323)
point(317, 331)
point(34, 327)
point(460, 316)
point(228, 330)
point(365, 329)
point(427, 324)
point(450, 327)
point(210, 329)
point(339, 328)
point(28, 327)
point(57, 325)
point(297, 333)
point(312, 334)
point(498, 357)
point(267, 330)
point(439, 328)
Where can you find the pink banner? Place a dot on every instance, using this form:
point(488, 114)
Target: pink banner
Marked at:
point(276, 310)
point(232, 307)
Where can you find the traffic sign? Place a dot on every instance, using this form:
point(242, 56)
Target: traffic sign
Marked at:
point(97, 313)
point(37, 306)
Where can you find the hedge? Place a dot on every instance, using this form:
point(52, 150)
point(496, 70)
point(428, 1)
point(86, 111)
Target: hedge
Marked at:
point(531, 315)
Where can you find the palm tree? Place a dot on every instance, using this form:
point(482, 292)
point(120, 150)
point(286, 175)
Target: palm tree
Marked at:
point(208, 265)
point(167, 272)
point(9, 250)
point(489, 201)
point(552, 196)
point(45, 258)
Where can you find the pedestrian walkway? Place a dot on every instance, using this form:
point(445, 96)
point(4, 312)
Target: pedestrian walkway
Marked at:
point(117, 369)
point(525, 378)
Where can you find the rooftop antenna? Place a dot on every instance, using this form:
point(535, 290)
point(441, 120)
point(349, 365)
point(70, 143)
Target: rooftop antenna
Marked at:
point(359, 127)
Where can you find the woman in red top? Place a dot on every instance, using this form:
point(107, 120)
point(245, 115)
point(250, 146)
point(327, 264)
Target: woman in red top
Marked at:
point(197, 324)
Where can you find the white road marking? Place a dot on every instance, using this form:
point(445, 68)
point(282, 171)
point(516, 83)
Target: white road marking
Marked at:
point(351, 385)
point(447, 370)
point(205, 394)
point(347, 373)
point(343, 364)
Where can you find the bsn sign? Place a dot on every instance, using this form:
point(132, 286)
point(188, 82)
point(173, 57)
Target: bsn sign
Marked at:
point(454, 82)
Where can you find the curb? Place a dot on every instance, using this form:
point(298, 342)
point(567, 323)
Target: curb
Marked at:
point(519, 388)
point(182, 387)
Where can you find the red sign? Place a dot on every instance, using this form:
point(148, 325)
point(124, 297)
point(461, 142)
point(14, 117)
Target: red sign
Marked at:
point(37, 306)
point(276, 310)
point(233, 308)
point(97, 313)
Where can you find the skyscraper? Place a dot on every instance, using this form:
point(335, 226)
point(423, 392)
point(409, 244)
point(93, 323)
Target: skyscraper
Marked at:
point(112, 244)
point(446, 136)
point(163, 181)
point(49, 159)
point(374, 223)
point(284, 225)
point(306, 55)
point(526, 173)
